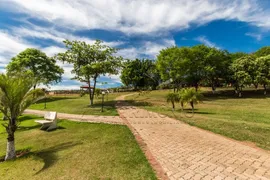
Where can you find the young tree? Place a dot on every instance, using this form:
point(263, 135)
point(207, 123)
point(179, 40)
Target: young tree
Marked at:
point(191, 96)
point(15, 96)
point(44, 68)
point(90, 61)
point(173, 98)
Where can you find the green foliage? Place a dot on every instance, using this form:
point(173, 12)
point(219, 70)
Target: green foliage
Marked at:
point(193, 65)
point(172, 63)
point(140, 74)
point(90, 61)
point(264, 51)
point(98, 92)
point(191, 96)
point(245, 72)
point(237, 55)
point(173, 98)
point(44, 68)
point(15, 96)
point(263, 76)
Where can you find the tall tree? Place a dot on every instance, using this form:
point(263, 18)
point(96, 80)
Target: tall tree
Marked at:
point(172, 64)
point(216, 66)
point(90, 61)
point(43, 67)
point(140, 73)
point(245, 72)
point(263, 64)
point(15, 96)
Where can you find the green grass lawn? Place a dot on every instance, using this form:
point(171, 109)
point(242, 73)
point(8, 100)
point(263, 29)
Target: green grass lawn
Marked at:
point(79, 105)
point(74, 151)
point(244, 119)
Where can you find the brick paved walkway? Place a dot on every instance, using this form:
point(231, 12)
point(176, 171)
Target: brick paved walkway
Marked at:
point(186, 152)
point(81, 118)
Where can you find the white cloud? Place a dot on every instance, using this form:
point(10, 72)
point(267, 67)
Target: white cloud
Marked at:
point(50, 33)
point(53, 50)
point(205, 41)
point(147, 48)
point(258, 37)
point(144, 16)
point(10, 46)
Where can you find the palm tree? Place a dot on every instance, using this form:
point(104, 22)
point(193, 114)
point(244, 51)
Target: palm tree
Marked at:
point(172, 98)
point(191, 96)
point(15, 96)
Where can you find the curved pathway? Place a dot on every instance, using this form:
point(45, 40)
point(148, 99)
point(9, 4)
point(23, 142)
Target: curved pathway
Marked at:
point(81, 118)
point(187, 152)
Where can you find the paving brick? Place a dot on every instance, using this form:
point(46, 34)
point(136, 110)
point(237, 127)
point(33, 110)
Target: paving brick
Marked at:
point(186, 152)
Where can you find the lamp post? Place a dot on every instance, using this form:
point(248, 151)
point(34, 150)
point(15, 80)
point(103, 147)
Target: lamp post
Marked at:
point(103, 93)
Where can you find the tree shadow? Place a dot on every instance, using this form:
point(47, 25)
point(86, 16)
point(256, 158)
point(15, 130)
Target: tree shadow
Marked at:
point(49, 155)
point(134, 103)
point(26, 128)
point(106, 103)
point(26, 117)
point(230, 94)
point(52, 99)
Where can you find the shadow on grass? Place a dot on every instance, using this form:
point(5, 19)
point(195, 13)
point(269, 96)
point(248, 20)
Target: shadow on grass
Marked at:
point(230, 94)
point(49, 155)
point(106, 103)
point(52, 99)
point(26, 128)
point(26, 117)
point(134, 103)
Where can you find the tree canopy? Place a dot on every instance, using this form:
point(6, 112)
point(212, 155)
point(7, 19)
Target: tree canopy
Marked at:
point(90, 61)
point(140, 73)
point(44, 68)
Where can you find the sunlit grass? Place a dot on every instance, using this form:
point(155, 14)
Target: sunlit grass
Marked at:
point(244, 119)
point(74, 151)
point(79, 105)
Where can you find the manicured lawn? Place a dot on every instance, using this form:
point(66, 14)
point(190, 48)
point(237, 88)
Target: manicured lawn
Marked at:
point(75, 151)
point(79, 105)
point(244, 119)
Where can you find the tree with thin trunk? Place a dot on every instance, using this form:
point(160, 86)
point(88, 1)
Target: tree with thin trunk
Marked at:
point(90, 61)
point(191, 96)
point(15, 96)
point(172, 98)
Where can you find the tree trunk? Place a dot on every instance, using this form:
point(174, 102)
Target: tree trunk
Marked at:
point(11, 128)
point(89, 91)
point(256, 86)
point(196, 87)
point(93, 92)
point(213, 88)
point(173, 106)
point(182, 106)
point(35, 86)
point(240, 92)
point(265, 91)
point(192, 106)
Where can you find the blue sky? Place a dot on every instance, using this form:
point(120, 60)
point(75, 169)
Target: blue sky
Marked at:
point(140, 29)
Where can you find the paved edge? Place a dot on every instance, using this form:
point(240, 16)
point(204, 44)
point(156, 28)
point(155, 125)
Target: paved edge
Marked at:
point(160, 173)
point(79, 118)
